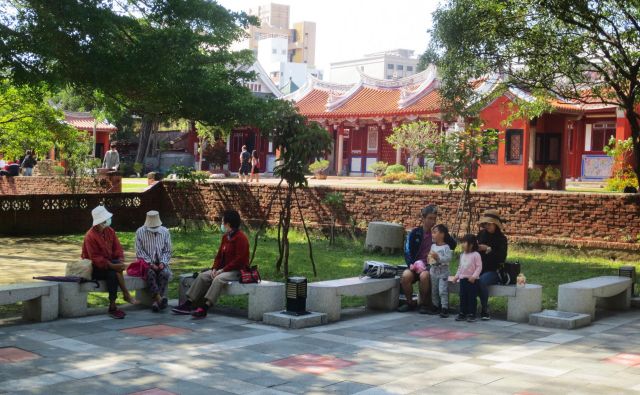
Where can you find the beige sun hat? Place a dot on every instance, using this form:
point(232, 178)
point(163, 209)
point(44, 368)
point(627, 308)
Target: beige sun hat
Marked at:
point(153, 219)
point(491, 217)
point(100, 214)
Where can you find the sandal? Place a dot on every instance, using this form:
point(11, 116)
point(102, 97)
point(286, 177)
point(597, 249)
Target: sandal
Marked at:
point(132, 300)
point(155, 307)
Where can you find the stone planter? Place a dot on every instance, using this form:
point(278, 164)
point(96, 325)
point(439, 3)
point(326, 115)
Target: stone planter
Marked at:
point(320, 176)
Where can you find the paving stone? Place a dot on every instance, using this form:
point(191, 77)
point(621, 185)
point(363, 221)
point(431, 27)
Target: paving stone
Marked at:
point(346, 388)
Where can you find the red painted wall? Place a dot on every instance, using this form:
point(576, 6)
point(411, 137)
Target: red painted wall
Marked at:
point(502, 175)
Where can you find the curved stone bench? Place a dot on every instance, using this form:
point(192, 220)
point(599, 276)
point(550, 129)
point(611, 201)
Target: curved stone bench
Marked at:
point(264, 297)
point(326, 296)
point(385, 236)
point(73, 296)
point(521, 301)
point(39, 299)
point(612, 292)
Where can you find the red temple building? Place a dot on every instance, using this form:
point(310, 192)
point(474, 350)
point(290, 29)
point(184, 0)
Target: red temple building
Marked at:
point(99, 131)
point(361, 116)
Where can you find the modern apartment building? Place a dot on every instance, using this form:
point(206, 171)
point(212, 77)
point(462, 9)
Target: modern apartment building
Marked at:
point(393, 64)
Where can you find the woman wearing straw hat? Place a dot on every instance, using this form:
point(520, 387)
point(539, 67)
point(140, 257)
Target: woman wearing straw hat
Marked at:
point(102, 247)
point(492, 245)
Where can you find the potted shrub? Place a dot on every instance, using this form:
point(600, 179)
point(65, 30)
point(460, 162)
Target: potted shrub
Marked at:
point(551, 177)
point(378, 169)
point(395, 169)
point(533, 176)
point(318, 167)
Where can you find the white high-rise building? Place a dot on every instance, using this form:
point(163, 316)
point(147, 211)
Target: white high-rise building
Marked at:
point(393, 64)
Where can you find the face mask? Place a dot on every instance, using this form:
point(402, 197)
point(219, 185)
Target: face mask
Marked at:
point(107, 222)
point(223, 229)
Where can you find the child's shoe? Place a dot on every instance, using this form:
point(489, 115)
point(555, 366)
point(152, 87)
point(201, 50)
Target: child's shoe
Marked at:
point(461, 317)
point(471, 318)
point(444, 312)
point(434, 311)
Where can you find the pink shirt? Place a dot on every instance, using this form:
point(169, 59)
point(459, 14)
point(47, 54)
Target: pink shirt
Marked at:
point(470, 265)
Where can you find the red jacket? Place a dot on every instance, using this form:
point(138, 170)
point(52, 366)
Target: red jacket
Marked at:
point(101, 247)
point(233, 253)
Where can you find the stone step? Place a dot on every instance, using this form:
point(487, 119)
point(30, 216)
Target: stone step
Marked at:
point(289, 321)
point(559, 319)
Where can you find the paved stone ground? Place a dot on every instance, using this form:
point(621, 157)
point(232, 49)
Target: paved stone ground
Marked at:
point(366, 354)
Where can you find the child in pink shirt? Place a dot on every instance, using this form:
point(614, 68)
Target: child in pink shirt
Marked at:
point(468, 273)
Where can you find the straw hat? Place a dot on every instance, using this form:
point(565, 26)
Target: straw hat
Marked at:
point(491, 217)
point(153, 219)
point(100, 214)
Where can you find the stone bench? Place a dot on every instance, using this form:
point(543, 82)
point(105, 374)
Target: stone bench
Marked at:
point(610, 292)
point(264, 297)
point(326, 296)
point(39, 299)
point(521, 301)
point(73, 296)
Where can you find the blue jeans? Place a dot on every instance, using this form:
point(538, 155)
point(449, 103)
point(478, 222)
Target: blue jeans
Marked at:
point(468, 294)
point(27, 171)
point(486, 279)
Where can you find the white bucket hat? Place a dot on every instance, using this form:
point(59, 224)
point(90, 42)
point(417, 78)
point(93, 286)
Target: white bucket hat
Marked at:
point(153, 219)
point(100, 214)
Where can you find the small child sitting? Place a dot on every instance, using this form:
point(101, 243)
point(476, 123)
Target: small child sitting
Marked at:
point(468, 275)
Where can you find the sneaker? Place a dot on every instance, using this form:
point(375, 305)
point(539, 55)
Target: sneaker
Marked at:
point(424, 309)
point(406, 307)
point(164, 303)
point(471, 318)
point(444, 313)
point(117, 314)
point(155, 307)
point(461, 317)
point(484, 315)
point(199, 313)
point(183, 309)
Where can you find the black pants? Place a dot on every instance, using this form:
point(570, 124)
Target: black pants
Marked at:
point(111, 278)
point(468, 295)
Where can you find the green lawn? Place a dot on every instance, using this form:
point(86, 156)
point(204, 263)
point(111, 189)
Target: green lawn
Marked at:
point(549, 266)
point(134, 184)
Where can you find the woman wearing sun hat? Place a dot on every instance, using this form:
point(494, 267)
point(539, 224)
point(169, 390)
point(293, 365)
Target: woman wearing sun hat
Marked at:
point(102, 247)
point(492, 245)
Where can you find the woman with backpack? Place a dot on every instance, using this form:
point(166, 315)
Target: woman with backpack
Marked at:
point(492, 246)
point(255, 167)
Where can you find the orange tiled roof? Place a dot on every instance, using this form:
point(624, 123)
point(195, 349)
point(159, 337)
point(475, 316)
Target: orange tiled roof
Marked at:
point(85, 121)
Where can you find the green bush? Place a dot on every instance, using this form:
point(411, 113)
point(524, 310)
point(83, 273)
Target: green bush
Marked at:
point(58, 170)
point(534, 174)
point(319, 166)
point(137, 167)
point(407, 178)
point(622, 179)
point(423, 174)
point(378, 168)
point(392, 169)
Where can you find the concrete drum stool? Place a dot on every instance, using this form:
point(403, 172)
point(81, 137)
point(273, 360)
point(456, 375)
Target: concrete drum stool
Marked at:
point(385, 236)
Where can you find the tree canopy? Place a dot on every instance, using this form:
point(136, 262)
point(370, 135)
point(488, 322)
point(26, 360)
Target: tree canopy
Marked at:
point(27, 121)
point(158, 59)
point(584, 50)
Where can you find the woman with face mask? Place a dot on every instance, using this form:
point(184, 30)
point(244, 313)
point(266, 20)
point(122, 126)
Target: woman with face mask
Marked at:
point(232, 256)
point(153, 245)
point(102, 247)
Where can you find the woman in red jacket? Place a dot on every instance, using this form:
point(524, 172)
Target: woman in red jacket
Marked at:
point(102, 247)
point(232, 256)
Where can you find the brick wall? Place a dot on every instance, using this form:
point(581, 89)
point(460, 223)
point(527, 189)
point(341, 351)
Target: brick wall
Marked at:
point(37, 185)
point(578, 219)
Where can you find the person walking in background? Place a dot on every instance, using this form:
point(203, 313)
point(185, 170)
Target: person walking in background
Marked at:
point(28, 164)
point(102, 247)
point(255, 167)
point(153, 245)
point(245, 164)
point(111, 158)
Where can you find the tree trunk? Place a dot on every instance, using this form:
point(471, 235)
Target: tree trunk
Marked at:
point(148, 127)
point(634, 122)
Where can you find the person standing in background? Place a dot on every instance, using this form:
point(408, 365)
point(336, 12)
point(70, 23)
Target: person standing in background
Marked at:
point(111, 158)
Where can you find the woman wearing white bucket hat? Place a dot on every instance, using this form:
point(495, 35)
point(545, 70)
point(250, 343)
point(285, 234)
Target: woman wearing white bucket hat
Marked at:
point(102, 247)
